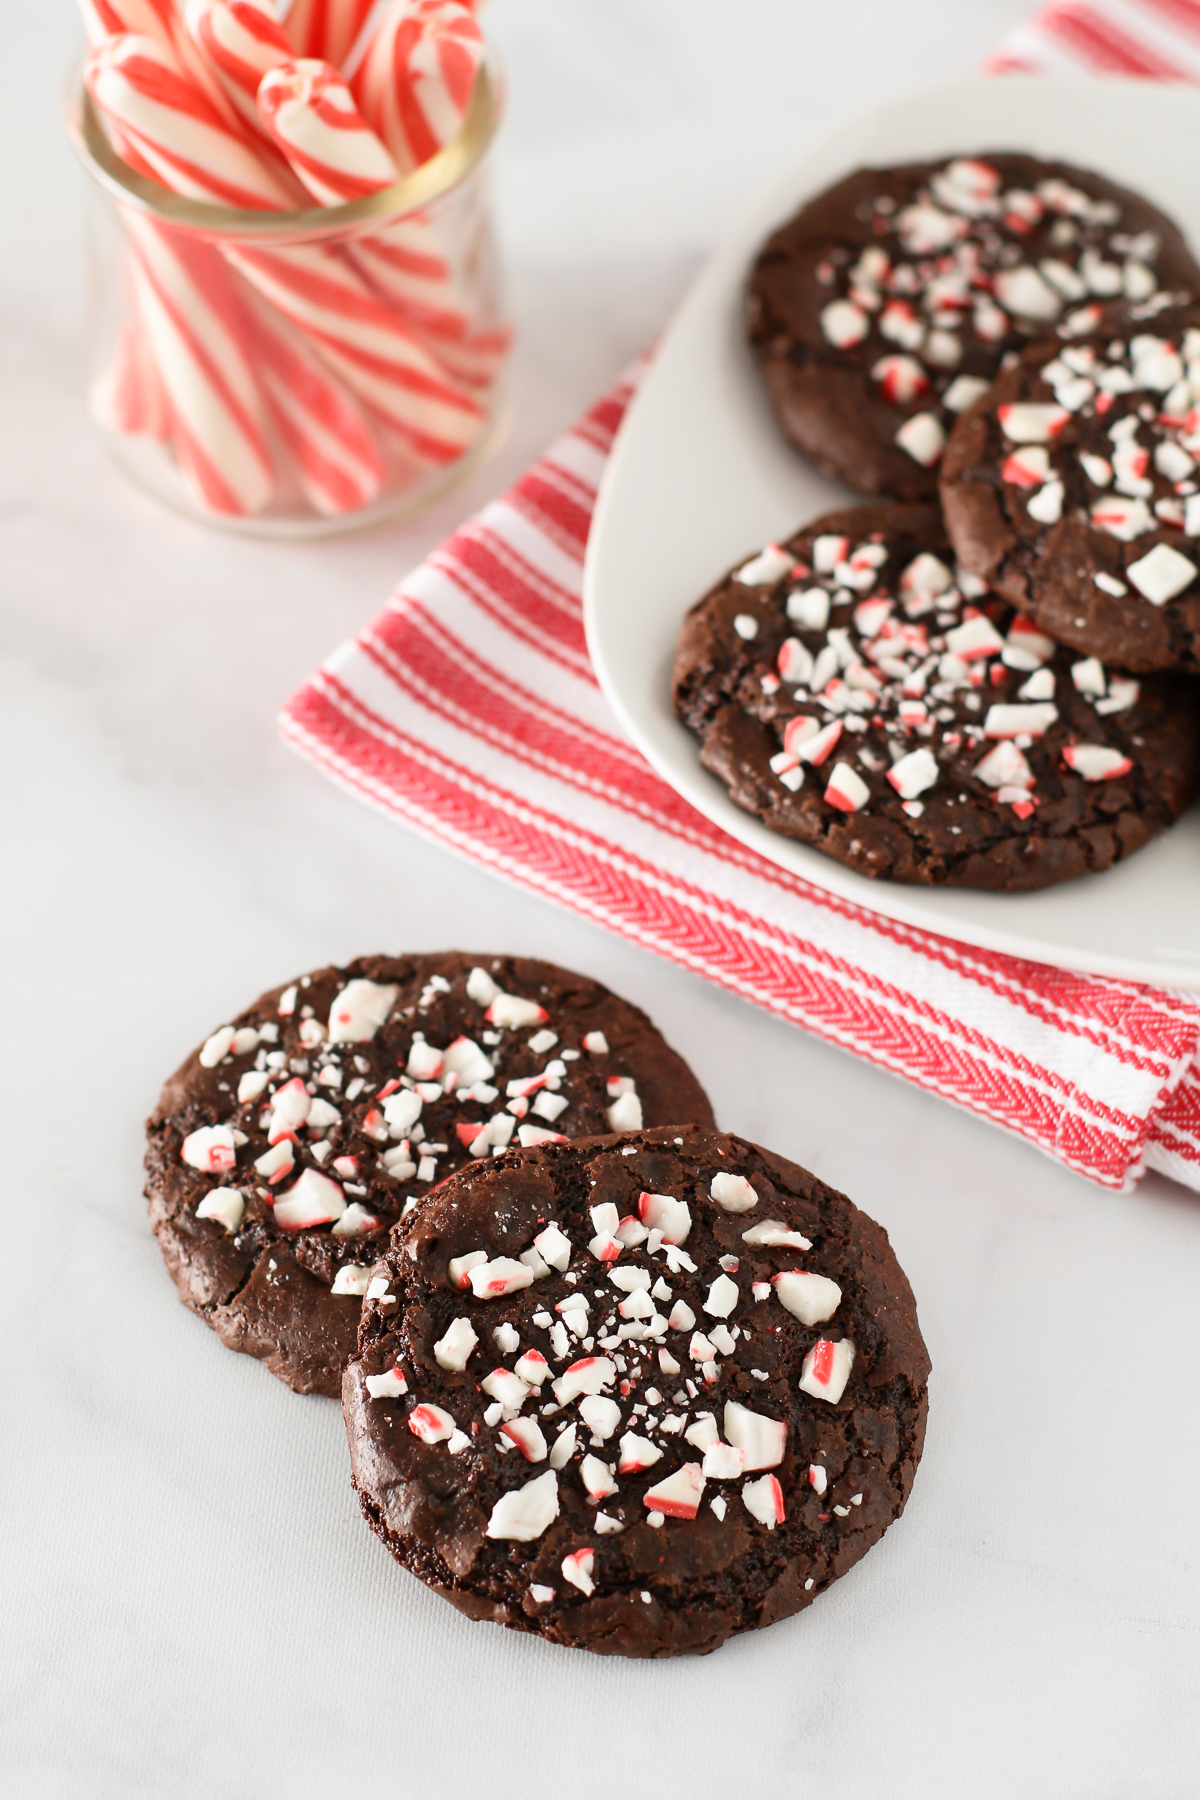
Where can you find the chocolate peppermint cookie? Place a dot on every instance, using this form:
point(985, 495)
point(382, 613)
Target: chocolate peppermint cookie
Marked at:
point(636, 1394)
point(857, 694)
point(1073, 488)
point(282, 1150)
point(885, 307)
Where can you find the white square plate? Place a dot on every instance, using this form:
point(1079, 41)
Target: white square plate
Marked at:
point(700, 476)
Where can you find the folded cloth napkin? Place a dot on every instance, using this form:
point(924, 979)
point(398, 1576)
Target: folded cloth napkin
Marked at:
point(468, 709)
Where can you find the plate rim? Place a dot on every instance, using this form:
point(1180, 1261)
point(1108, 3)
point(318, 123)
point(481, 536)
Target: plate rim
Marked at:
point(903, 903)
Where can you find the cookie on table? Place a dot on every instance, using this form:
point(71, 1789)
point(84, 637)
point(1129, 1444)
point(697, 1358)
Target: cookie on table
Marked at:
point(638, 1393)
point(855, 693)
point(284, 1149)
point(1074, 489)
point(885, 307)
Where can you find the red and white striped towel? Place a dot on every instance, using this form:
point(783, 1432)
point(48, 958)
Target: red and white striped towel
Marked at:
point(468, 710)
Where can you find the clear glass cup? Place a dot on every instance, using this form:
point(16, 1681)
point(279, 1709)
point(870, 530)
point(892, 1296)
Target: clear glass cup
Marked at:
point(293, 374)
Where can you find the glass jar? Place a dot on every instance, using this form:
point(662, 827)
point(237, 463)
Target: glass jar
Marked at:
point(293, 374)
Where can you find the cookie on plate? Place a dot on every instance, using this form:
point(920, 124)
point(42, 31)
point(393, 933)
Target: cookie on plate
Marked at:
point(1074, 489)
point(884, 308)
point(857, 695)
point(636, 1394)
point(281, 1152)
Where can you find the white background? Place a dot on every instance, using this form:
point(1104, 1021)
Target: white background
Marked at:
point(189, 1602)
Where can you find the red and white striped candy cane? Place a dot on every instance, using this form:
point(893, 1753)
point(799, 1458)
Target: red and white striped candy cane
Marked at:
point(310, 113)
point(241, 41)
point(369, 346)
point(326, 29)
point(128, 396)
point(104, 19)
point(199, 334)
point(333, 449)
point(178, 135)
point(416, 80)
point(315, 287)
point(312, 116)
point(406, 266)
point(162, 21)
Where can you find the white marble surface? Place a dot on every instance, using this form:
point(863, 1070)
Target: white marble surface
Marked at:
point(191, 1604)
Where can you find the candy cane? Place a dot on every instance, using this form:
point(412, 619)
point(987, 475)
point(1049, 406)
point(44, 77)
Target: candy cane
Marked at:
point(368, 345)
point(326, 29)
point(315, 287)
point(104, 19)
point(178, 135)
point(197, 334)
point(310, 113)
point(406, 266)
point(128, 396)
point(335, 453)
point(241, 41)
point(161, 21)
point(415, 83)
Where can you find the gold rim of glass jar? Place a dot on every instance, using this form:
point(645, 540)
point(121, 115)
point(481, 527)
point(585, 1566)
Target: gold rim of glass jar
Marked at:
point(434, 179)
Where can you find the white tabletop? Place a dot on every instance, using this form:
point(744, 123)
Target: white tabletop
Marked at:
point(191, 1603)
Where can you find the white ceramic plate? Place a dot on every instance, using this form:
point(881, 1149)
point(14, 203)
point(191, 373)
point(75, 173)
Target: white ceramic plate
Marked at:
point(700, 475)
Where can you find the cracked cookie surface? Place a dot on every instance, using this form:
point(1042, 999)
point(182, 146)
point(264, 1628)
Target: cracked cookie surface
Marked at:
point(885, 307)
point(861, 695)
point(283, 1150)
point(635, 1394)
point(1073, 487)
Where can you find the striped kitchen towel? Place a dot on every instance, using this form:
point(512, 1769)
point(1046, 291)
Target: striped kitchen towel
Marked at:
point(468, 711)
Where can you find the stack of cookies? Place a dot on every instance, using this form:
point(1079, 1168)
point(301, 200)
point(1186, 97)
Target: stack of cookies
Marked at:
point(983, 676)
point(609, 1375)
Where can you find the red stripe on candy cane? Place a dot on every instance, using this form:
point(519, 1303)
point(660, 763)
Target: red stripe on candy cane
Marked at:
point(415, 82)
point(326, 29)
point(310, 113)
point(1102, 45)
point(241, 42)
point(198, 336)
point(1183, 15)
point(337, 458)
point(142, 90)
point(104, 19)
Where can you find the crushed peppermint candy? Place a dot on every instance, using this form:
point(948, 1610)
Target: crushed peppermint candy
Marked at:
point(224, 1204)
point(624, 1447)
point(524, 1513)
point(763, 1500)
point(388, 1386)
point(1129, 395)
point(971, 261)
point(909, 672)
point(341, 1098)
point(826, 1369)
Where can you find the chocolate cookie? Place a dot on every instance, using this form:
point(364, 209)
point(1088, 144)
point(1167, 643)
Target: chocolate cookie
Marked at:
point(855, 694)
point(636, 1394)
point(1073, 488)
point(284, 1148)
point(884, 308)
